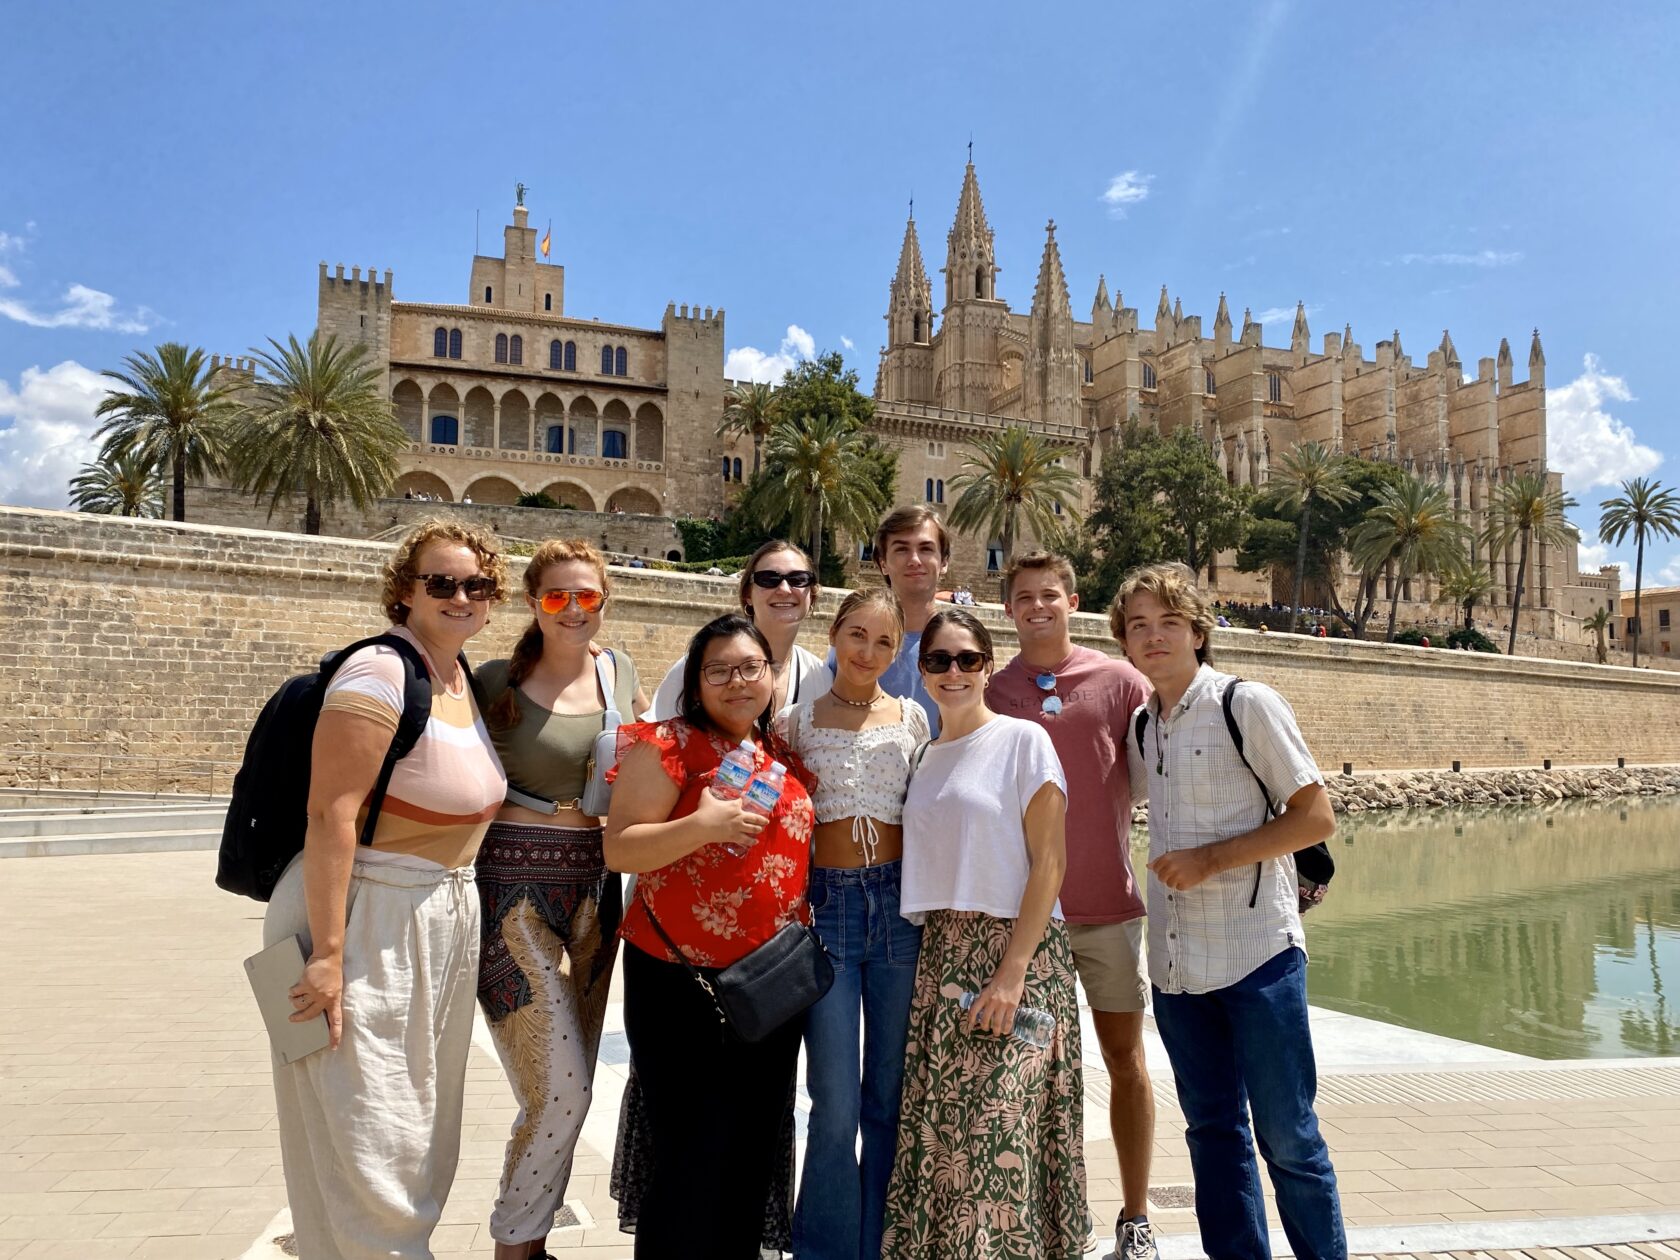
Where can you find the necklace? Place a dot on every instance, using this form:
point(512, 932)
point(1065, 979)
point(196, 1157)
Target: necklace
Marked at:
point(860, 704)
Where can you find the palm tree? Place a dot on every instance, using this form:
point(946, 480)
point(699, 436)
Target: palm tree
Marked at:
point(1011, 478)
point(169, 412)
point(319, 425)
point(119, 485)
point(1467, 584)
point(1648, 511)
point(751, 409)
point(1597, 624)
point(819, 477)
point(1526, 510)
point(1308, 475)
point(1413, 528)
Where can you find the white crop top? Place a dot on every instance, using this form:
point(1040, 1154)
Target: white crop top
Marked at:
point(861, 775)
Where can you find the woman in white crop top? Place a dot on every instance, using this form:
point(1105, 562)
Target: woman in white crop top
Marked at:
point(859, 743)
point(987, 1119)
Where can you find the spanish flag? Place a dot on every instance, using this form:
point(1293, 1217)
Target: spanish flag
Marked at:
point(547, 234)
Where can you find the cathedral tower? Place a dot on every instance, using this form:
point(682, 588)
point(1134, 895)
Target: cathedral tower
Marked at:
point(967, 360)
point(907, 362)
point(1051, 377)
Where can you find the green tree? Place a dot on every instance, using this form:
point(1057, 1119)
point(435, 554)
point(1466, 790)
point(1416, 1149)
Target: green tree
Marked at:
point(317, 425)
point(1205, 513)
point(1467, 584)
point(1304, 478)
point(1013, 478)
point(1648, 511)
point(1413, 529)
point(170, 412)
point(1598, 623)
point(819, 475)
point(1127, 524)
point(119, 485)
point(1526, 511)
point(823, 386)
point(750, 409)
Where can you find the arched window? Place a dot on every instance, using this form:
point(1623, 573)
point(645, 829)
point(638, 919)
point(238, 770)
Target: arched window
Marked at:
point(939, 491)
point(555, 441)
point(1148, 377)
point(454, 343)
point(516, 349)
point(994, 557)
point(446, 431)
point(621, 362)
point(486, 295)
point(440, 343)
point(571, 356)
point(548, 301)
point(1274, 387)
point(726, 468)
point(737, 469)
point(1088, 377)
point(606, 360)
point(979, 282)
point(556, 356)
point(615, 444)
point(916, 327)
point(1210, 388)
point(928, 496)
point(501, 347)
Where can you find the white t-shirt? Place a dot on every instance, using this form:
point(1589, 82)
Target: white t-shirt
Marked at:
point(810, 678)
point(965, 846)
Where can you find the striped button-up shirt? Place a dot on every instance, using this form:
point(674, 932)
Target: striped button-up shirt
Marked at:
point(1210, 936)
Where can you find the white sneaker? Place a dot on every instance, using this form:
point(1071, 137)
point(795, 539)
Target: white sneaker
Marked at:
point(1135, 1240)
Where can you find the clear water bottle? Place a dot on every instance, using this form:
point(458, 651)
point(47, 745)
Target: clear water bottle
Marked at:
point(1033, 1027)
point(765, 789)
point(733, 775)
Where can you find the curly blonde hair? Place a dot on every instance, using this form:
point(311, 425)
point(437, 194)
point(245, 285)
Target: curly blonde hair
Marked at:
point(504, 712)
point(401, 573)
point(1174, 588)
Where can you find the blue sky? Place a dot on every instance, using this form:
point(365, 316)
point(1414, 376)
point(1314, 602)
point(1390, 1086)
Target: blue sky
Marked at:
point(175, 171)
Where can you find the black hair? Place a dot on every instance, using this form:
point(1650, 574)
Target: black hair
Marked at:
point(728, 626)
point(962, 619)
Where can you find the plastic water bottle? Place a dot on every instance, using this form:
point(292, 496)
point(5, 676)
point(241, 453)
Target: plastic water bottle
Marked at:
point(765, 789)
point(1033, 1027)
point(730, 781)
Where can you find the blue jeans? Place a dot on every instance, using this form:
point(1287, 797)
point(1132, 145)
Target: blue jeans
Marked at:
point(1246, 1049)
point(842, 1201)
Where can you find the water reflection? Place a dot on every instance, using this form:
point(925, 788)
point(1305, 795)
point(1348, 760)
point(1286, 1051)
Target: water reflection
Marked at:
point(1543, 932)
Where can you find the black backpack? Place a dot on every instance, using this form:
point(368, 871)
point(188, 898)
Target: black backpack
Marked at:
point(268, 815)
point(1314, 865)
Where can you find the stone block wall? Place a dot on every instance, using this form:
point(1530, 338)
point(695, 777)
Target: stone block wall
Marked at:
point(152, 639)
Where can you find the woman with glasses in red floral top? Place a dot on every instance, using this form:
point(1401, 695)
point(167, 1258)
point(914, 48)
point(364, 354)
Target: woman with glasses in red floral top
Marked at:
point(715, 1103)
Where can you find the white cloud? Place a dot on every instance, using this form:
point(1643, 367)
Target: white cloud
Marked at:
point(48, 433)
point(8, 278)
point(1585, 442)
point(1125, 189)
point(1283, 314)
point(1670, 575)
point(1481, 258)
point(9, 244)
point(847, 342)
point(748, 363)
point(81, 307)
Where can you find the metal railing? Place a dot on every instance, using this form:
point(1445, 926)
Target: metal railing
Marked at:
point(96, 772)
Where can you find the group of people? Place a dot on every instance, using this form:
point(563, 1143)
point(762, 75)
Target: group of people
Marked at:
point(956, 833)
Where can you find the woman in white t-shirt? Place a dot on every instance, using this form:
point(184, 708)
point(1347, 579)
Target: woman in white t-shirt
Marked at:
point(990, 1156)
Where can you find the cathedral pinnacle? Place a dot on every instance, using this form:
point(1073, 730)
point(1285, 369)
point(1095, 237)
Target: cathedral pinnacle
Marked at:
point(970, 268)
point(1100, 306)
point(1050, 296)
point(1535, 353)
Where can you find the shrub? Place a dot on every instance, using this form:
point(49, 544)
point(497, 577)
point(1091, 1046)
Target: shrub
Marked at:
point(1472, 640)
point(537, 499)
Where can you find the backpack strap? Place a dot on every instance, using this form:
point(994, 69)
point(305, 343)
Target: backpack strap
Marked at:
point(916, 758)
point(1237, 738)
point(416, 711)
point(1138, 725)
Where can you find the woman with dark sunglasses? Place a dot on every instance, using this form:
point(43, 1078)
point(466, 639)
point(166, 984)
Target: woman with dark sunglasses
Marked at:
point(990, 1156)
point(778, 591)
point(551, 907)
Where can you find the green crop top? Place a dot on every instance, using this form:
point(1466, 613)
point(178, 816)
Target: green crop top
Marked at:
point(547, 752)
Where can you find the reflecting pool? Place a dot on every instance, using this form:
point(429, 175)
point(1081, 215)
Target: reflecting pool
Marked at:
point(1546, 932)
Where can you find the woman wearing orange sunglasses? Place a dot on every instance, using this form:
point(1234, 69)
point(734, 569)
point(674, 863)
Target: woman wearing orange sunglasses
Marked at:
point(551, 908)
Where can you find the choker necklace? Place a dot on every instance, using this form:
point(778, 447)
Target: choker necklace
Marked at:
point(860, 704)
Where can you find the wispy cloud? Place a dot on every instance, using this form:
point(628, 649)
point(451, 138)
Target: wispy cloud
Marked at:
point(1670, 575)
point(748, 363)
point(848, 343)
point(1586, 442)
point(1124, 190)
point(80, 307)
point(1485, 258)
point(1283, 314)
point(9, 244)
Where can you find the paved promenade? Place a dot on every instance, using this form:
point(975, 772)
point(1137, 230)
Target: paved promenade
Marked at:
point(137, 1120)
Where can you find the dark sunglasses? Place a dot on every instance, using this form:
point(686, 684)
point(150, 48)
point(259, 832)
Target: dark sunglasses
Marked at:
point(770, 579)
point(588, 601)
point(442, 586)
point(970, 662)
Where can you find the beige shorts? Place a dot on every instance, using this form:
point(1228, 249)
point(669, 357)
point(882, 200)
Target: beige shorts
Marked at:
point(1109, 960)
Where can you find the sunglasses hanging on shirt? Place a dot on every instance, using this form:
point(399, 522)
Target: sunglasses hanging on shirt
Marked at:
point(1052, 704)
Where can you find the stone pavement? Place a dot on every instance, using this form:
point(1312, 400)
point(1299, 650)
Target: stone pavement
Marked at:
point(137, 1119)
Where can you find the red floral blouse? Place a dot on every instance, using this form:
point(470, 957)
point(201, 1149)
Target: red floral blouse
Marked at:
point(718, 907)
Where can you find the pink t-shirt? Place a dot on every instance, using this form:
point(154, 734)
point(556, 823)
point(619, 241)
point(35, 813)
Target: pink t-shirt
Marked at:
point(1099, 695)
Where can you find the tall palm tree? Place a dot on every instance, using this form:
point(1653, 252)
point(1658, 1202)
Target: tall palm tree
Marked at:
point(1648, 511)
point(750, 409)
point(125, 484)
point(1526, 511)
point(1308, 475)
point(819, 477)
point(171, 412)
point(1597, 623)
point(1413, 528)
point(318, 425)
point(1013, 478)
point(1467, 584)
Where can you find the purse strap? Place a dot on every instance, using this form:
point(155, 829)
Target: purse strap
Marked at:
point(676, 949)
point(606, 673)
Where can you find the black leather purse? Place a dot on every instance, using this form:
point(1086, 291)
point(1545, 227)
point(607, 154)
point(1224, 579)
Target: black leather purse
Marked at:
point(781, 979)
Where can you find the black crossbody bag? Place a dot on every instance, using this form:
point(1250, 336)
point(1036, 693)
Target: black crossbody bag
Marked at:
point(778, 981)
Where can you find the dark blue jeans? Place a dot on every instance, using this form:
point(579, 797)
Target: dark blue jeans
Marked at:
point(842, 1200)
point(1246, 1049)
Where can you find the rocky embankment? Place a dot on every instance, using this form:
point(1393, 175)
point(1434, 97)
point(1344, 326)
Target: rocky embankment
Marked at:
point(1422, 789)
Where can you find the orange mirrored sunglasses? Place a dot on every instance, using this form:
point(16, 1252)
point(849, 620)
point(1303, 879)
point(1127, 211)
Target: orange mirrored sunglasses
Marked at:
point(589, 601)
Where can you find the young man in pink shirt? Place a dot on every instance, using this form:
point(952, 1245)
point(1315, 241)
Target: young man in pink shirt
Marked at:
point(1085, 700)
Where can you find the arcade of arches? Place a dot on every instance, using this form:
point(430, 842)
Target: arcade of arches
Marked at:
point(551, 424)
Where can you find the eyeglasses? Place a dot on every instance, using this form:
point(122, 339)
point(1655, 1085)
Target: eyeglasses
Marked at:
point(770, 579)
point(718, 674)
point(1052, 703)
point(588, 601)
point(970, 662)
point(443, 586)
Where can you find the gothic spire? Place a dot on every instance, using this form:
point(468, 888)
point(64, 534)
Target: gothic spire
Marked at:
point(1449, 352)
point(1100, 304)
point(912, 276)
point(1050, 295)
point(970, 268)
point(1535, 353)
point(1300, 337)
